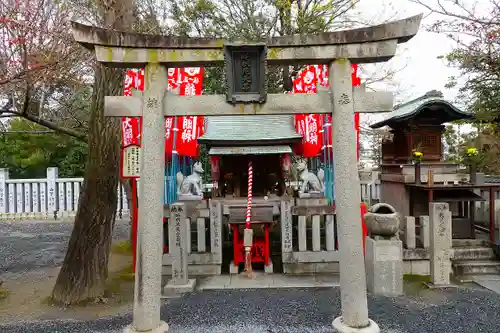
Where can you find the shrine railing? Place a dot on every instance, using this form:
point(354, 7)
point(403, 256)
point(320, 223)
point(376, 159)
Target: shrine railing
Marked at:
point(204, 239)
point(415, 232)
point(309, 237)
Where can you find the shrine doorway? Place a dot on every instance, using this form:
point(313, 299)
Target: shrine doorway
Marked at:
point(267, 177)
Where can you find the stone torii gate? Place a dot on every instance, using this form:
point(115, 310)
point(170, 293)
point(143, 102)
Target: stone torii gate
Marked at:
point(157, 53)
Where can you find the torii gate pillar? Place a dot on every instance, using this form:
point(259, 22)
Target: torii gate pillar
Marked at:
point(352, 265)
point(338, 49)
point(151, 192)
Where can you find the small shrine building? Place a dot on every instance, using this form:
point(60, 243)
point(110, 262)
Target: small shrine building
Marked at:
point(262, 139)
point(409, 187)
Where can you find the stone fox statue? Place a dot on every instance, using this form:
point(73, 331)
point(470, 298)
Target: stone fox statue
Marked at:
point(192, 184)
point(310, 182)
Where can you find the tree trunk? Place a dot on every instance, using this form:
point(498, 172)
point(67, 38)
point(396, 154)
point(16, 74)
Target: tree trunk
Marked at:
point(85, 268)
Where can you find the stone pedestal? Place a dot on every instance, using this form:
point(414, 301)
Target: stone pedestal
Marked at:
point(384, 267)
point(190, 197)
point(178, 238)
point(162, 328)
point(340, 327)
point(441, 243)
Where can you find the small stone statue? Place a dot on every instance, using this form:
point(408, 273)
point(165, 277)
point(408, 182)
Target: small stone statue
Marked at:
point(192, 185)
point(310, 182)
point(382, 222)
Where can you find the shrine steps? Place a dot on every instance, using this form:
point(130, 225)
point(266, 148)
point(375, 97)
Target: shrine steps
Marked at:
point(475, 267)
point(473, 260)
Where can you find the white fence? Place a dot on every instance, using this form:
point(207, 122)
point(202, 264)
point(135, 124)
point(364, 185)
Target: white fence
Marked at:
point(301, 253)
point(48, 198)
point(55, 198)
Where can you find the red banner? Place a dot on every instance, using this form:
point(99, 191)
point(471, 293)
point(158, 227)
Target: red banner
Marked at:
point(173, 78)
point(131, 127)
point(215, 167)
point(190, 129)
point(169, 136)
point(308, 125)
point(356, 81)
point(191, 81)
point(306, 82)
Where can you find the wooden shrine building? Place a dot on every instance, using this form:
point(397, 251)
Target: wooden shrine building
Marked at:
point(261, 139)
point(418, 124)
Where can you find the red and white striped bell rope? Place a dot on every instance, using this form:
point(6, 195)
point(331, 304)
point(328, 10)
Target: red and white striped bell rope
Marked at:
point(248, 260)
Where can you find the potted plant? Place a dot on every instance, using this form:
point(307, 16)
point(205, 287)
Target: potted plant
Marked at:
point(472, 158)
point(417, 156)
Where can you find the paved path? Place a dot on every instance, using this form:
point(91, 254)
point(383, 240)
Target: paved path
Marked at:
point(262, 280)
point(491, 282)
point(26, 246)
point(302, 311)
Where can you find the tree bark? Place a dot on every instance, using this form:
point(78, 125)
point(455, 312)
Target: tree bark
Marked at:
point(85, 268)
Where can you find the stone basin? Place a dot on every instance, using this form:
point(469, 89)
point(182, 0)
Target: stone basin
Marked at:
point(382, 220)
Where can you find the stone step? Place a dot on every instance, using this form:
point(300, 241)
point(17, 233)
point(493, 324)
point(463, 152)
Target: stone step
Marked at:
point(470, 243)
point(473, 253)
point(475, 267)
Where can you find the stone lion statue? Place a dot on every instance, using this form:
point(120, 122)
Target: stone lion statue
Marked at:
point(310, 182)
point(192, 184)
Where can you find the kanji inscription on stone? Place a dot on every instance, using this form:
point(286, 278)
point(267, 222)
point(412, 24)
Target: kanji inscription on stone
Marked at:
point(344, 99)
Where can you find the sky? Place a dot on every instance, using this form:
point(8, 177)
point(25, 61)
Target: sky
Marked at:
point(418, 68)
point(416, 65)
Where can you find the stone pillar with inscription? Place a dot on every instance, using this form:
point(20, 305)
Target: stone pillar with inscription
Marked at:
point(149, 237)
point(348, 196)
point(286, 231)
point(178, 241)
point(384, 267)
point(4, 176)
point(440, 243)
point(216, 230)
point(52, 175)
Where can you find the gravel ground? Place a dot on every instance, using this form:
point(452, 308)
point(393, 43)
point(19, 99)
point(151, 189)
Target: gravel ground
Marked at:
point(302, 310)
point(26, 246)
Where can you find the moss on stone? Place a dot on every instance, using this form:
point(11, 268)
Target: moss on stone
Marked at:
point(273, 53)
point(3, 294)
point(123, 247)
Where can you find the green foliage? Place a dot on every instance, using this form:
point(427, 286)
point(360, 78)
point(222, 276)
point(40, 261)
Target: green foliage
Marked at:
point(251, 20)
point(455, 141)
point(27, 150)
point(477, 57)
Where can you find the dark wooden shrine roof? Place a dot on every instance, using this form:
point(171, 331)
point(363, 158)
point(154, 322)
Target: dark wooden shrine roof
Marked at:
point(433, 101)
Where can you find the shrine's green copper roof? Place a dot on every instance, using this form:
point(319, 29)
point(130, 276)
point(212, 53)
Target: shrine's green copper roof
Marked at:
point(250, 128)
point(432, 100)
